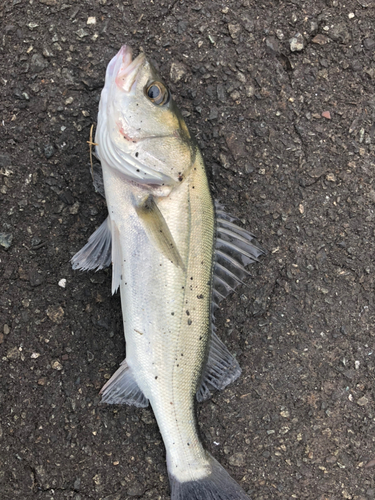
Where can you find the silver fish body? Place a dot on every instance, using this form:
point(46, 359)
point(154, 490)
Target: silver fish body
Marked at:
point(161, 234)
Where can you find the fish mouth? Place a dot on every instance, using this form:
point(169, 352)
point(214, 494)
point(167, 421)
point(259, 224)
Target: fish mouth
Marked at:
point(123, 69)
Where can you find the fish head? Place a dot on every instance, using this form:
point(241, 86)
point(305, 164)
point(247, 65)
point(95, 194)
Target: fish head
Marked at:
point(141, 132)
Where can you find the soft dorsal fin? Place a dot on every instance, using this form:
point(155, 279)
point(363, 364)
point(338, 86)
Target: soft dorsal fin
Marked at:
point(157, 230)
point(235, 248)
point(122, 388)
point(96, 254)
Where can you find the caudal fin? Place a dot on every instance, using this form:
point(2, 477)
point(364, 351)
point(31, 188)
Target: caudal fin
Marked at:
point(217, 486)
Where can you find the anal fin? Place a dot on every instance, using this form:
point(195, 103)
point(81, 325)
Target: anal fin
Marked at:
point(221, 369)
point(122, 388)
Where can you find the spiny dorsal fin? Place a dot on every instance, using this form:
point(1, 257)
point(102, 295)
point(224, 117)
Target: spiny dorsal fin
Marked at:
point(235, 248)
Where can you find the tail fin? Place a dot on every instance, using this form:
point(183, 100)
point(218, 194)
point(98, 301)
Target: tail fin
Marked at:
point(217, 486)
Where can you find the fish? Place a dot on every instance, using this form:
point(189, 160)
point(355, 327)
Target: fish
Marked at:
point(175, 255)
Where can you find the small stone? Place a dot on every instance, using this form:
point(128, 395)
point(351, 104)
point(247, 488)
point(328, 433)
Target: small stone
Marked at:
point(363, 401)
point(42, 381)
point(369, 43)
point(326, 114)
point(320, 39)
point(241, 77)
point(221, 92)
point(136, 489)
point(6, 240)
point(237, 460)
point(177, 72)
point(296, 43)
point(36, 278)
point(285, 413)
point(13, 353)
point(214, 113)
point(73, 210)
point(69, 100)
point(235, 146)
point(62, 283)
point(351, 15)
point(5, 160)
point(49, 151)
point(331, 177)
point(35, 355)
point(55, 314)
point(56, 365)
point(250, 91)
point(1, 338)
point(81, 33)
point(273, 44)
point(6, 329)
point(234, 30)
point(279, 34)
point(47, 52)
point(38, 63)
point(91, 20)
point(235, 95)
point(32, 26)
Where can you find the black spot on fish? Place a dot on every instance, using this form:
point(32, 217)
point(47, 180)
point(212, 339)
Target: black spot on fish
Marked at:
point(172, 314)
point(188, 313)
point(156, 377)
point(201, 296)
point(191, 277)
point(136, 154)
point(189, 322)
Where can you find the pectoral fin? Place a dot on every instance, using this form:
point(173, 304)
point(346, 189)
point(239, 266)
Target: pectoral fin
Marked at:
point(158, 231)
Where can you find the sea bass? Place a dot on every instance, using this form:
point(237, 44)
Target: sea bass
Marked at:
point(175, 255)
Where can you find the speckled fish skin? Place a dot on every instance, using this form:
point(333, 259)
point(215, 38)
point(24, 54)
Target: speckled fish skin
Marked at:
point(146, 153)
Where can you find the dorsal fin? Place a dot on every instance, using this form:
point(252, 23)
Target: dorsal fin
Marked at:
point(235, 248)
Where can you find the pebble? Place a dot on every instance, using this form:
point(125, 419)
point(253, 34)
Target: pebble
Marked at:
point(296, 43)
point(214, 113)
point(55, 314)
point(237, 460)
point(177, 72)
point(221, 92)
point(326, 114)
point(49, 151)
point(363, 401)
point(38, 63)
point(56, 365)
point(91, 20)
point(13, 353)
point(6, 240)
point(5, 160)
point(369, 43)
point(320, 39)
point(6, 330)
point(36, 278)
point(234, 30)
point(273, 44)
point(62, 283)
point(1, 338)
point(136, 489)
point(331, 177)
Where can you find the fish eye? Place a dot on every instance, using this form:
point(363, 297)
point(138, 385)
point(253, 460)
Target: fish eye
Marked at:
point(157, 93)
